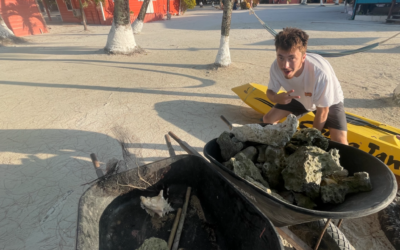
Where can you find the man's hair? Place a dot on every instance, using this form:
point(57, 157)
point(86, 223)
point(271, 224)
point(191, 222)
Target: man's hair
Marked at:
point(291, 38)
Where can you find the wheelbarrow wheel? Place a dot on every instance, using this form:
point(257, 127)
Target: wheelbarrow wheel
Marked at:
point(333, 238)
point(389, 218)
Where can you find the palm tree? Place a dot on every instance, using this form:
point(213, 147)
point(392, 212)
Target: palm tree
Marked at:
point(120, 39)
point(224, 57)
point(137, 25)
point(5, 32)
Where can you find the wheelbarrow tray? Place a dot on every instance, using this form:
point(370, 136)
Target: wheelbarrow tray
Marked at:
point(110, 215)
point(282, 213)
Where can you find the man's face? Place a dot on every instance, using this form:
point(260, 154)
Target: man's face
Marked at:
point(290, 62)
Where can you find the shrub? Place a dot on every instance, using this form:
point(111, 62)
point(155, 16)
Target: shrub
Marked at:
point(243, 5)
point(188, 4)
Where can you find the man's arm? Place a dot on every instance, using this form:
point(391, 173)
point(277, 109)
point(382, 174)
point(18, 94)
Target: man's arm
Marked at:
point(320, 118)
point(281, 98)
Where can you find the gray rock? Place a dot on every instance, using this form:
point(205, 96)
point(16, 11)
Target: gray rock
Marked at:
point(228, 145)
point(330, 162)
point(272, 173)
point(276, 135)
point(304, 171)
point(333, 193)
point(360, 182)
point(261, 153)
point(249, 153)
point(303, 201)
point(310, 137)
point(154, 244)
point(245, 168)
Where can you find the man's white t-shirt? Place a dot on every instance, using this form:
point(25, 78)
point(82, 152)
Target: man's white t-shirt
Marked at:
point(317, 85)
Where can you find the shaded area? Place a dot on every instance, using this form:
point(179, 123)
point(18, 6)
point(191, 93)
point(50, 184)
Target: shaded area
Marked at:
point(190, 116)
point(116, 89)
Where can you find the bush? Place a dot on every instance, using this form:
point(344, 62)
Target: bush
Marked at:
point(188, 4)
point(243, 5)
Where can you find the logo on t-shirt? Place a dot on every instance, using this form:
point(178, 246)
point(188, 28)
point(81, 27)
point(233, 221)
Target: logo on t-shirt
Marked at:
point(308, 94)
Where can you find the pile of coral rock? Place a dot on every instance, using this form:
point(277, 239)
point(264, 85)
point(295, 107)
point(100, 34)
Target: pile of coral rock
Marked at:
point(291, 165)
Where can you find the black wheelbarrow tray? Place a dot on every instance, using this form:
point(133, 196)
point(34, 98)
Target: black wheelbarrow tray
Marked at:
point(110, 215)
point(357, 205)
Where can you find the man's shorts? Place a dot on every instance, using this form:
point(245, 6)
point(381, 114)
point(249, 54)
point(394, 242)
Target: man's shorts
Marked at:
point(336, 116)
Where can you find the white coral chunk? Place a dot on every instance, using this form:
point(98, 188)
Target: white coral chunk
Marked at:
point(276, 135)
point(156, 205)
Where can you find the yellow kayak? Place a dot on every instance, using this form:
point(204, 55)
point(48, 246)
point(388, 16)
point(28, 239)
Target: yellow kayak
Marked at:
point(368, 135)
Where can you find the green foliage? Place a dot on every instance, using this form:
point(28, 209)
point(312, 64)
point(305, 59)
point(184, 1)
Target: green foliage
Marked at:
point(188, 4)
point(243, 5)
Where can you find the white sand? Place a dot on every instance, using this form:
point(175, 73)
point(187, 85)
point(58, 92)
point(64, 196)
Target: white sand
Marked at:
point(61, 96)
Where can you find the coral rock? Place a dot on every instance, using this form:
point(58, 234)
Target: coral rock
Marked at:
point(360, 182)
point(310, 137)
point(245, 168)
point(303, 201)
point(261, 153)
point(249, 153)
point(154, 244)
point(333, 193)
point(156, 205)
point(276, 135)
point(303, 171)
point(229, 146)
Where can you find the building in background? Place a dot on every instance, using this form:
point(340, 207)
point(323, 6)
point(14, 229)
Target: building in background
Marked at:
point(23, 17)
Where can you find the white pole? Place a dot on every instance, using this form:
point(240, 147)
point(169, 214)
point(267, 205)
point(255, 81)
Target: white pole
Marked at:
point(102, 11)
point(322, 3)
point(179, 8)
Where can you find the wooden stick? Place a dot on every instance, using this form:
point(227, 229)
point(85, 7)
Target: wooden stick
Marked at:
point(173, 231)
point(182, 220)
point(295, 241)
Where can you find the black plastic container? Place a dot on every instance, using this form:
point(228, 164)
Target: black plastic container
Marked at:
point(110, 216)
point(356, 205)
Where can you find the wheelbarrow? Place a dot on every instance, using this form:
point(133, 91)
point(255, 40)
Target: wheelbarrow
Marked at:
point(110, 215)
point(283, 214)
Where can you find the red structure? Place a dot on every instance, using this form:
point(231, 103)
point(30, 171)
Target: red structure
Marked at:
point(103, 14)
point(23, 17)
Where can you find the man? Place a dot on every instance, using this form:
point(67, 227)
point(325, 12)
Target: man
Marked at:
point(310, 84)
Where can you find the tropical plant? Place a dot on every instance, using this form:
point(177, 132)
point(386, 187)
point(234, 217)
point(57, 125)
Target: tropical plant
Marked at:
point(187, 4)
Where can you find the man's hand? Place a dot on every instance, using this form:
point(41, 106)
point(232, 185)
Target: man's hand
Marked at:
point(281, 98)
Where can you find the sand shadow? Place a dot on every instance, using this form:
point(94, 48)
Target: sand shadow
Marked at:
point(202, 119)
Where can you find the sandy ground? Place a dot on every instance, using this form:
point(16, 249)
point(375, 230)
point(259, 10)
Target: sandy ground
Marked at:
point(61, 96)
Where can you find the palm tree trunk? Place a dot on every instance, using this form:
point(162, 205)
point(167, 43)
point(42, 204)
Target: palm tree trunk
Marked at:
point(391, 9)
point(5, 32)
point(83, 16)
point(120, 39)
point(224, 57)
point(137, 25)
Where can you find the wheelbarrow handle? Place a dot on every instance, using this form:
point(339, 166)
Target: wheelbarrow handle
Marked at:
point(185, 146)
point(169, 145)
point(96, 165)
point(227, 122)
